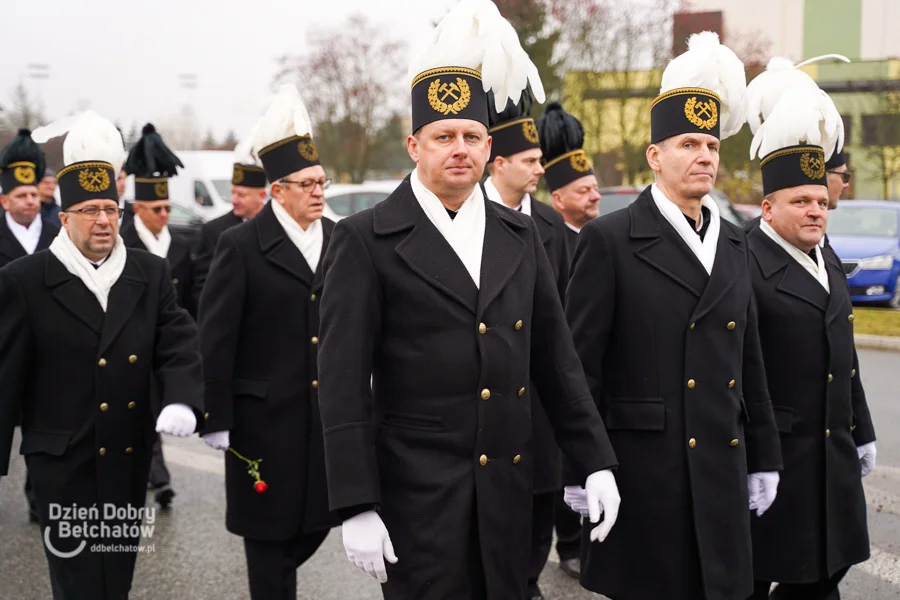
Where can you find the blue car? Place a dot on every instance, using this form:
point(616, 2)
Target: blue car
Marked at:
point(866, 237)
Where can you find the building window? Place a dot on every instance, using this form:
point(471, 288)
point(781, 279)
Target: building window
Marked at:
point(881, 130)
point(848, 129)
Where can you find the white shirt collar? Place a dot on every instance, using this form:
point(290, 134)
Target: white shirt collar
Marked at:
point(493, 194)
point(816, 268)
point(29, 236)
point(572, 227)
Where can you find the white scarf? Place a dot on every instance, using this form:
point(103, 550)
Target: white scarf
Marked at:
point(100, 280)
point(465, 233)
point(704, 250)
point(816, 268)
point(29, 237)
point(158, 246)
point(493, 194)
point(308, 242)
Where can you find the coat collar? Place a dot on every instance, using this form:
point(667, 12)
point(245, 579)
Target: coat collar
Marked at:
point(548, 222)
point(794, 279)
point(9, 243)
point(277, 247)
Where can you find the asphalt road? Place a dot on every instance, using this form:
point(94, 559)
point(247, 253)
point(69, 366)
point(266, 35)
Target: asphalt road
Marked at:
point(190, 555)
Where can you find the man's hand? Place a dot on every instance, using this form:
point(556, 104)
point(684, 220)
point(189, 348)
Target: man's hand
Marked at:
point(602, 496)
point(367, 544)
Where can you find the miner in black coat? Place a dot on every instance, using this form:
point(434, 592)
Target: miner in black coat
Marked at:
point(179, 258)
point(660, 303)
point(259, 331)
point(248, 195)
point(86, 327)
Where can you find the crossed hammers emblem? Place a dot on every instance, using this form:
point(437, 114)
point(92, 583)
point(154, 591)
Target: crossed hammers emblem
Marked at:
point(449, 89)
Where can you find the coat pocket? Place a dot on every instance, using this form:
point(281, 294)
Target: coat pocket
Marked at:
point(258, 388)
point(413, 422)
point(53, 443)
point(784, 418)
point(636, 414)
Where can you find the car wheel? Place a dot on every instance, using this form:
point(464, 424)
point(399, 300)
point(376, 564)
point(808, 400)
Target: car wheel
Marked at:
point(894, 302)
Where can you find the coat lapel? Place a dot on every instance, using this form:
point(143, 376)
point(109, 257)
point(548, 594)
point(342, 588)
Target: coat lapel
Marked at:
point(503, 252)
point(836, 281)
point(730, 264)
point(131, 238)
point(544, 225)
point(318, 279)
point(278, 248)
point(665, 250)
point(48, 232)
point(795, 281)
point(10, 248)
point(73, 295)
point(123, 298)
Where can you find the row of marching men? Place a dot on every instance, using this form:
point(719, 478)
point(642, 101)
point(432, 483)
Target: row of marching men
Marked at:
point(406, 372)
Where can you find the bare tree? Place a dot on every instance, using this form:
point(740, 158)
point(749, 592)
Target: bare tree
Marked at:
point(23, 110)
point(353, 83)
point(881, 141)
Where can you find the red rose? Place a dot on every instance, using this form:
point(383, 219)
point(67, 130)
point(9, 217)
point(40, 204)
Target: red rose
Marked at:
point(261, 486)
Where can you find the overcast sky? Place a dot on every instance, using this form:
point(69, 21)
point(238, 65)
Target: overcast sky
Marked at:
point(122, 58)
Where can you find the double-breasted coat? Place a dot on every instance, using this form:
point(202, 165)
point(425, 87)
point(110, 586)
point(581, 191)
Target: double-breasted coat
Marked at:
point(817, 525)
point(441, 441)
point(81, 379)
point(209, 237)
point(672, 357)
point(259, 328)
point(179, 257)
point(11, 249)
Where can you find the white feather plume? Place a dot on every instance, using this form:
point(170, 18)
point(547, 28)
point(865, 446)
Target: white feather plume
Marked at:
point(90, 137)
point(767, 88)
point(243, 152)
point(474, 35)
point(709, 65)
point(802, 115)
point(285, 117)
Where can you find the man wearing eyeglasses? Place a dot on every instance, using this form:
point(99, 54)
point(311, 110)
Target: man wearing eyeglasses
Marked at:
point(259, 328)
point(85, 327)
point(838, 176)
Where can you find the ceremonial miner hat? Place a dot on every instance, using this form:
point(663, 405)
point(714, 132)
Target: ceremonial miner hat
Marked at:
point(247, 172)
point(837, 159)
point(21, 162)
point(562, 138)
point(152, 163)
point(472, 51)
point(92, 154)
point(702, 92)
point(512, 129)
point(282, 139)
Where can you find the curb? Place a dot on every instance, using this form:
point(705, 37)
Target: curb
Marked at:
point(877, 342)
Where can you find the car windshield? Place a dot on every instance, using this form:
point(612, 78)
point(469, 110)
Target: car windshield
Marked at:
point(865, 221)
point(223, 186)
point(611, 201)
point(179, 216)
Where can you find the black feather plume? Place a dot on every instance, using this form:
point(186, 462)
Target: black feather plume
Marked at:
point(151, 157)
point(512, 111)
point(559, 131)
point(24, 149)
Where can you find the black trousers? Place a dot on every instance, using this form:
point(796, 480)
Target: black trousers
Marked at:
point(29, 495)
point(568, 529)
point(820, 590)
point(541, 538)
point(272, 565)
point(159, 473)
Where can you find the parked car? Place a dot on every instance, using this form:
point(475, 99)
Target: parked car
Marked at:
point(614, 198)
point(184, 223)
point(751, 211)
point(345, 199)
point(866, 236)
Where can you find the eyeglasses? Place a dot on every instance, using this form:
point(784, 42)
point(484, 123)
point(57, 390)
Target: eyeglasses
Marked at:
point(845, 175)
point(92, 213)
point(158, 209)
point(309, 186)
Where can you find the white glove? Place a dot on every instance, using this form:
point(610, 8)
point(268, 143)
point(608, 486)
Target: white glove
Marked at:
point(866, 454)
point(602, 495)
point(367, 544)
point(763, 488)
point(176, 419)
point(575, 497)
point(220, 440)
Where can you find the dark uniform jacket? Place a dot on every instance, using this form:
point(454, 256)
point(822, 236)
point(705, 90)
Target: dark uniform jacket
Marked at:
point(259, 322)
point(179, 257)
point(672, 357)
point(209, 237)
point(442, 439)
point(81, 379)
point(571, 241)
point(11, 249)
point(817, 525)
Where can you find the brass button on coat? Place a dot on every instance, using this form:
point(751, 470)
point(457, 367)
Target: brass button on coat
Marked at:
point(731, 325)
point(104, 407)
point(483, 460)
point(485, 394)
point(827, 433)
point(131, 405)
point(692, 443)
point(315, 384)
point(175, 282)
point(101, 362)
point(830, 378)
point(517, 459)
point(852, 427)
point(102, 451)
point(734, 443)
point(314, 340)
point(850, 318)
point(482, 328)
point(521, 392)
point(129, 450)
point(312, 298)
point(731, 384)
point(519, 325)
point(132, 359)
point(853, 373)
point(692, 326)
point(691, 384)
point(206, 416)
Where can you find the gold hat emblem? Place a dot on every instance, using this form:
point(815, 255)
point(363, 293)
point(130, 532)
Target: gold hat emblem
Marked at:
point(580, 162)
point(161, 189)
point(704, 115)
point(93, 180)
point(459, 92)
point(238, 175)
point(812, 165)
point(529, 130)
point(308, 150)
point(24, 175)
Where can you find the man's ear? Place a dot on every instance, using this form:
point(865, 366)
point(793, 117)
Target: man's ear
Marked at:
point(653, 152)
point(412, 146)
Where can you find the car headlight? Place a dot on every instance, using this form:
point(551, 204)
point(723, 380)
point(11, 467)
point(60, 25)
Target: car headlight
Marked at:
point(877, 263)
